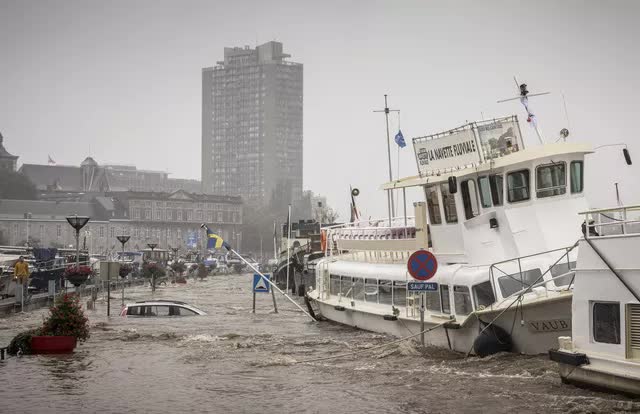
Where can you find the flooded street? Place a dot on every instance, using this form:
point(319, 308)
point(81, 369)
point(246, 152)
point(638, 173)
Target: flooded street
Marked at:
point(234, 361)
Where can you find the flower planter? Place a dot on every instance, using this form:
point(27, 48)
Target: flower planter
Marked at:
point(76, 279)
point(53, 344)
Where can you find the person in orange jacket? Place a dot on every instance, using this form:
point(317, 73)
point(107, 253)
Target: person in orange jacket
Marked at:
point(21, 271)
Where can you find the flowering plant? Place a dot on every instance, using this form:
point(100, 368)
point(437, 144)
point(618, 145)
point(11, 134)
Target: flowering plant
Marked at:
point(77, 275)
point(66, 318)
point(125, 269)
point(152, 269)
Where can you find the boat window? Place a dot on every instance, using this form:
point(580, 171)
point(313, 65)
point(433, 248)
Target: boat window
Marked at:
point(577, 177)
point(606, 322)
point(510, 284)
point(133, 310)
point(148, 311)
point(400, 293)
point(334, 286)
point(371, 290)
point(469, 199)
point(560, 269)
point(449, 204)
point(345, 286)
point(497, 191)
point(518, 186)
point(483, 294)
point(433, 302)
point(358, 288)
point(183, 311)
point(485, 191)
point(433, 206)
point(444, 299)
point(462, 300)
point(384, 292)
point(162, 311)
point(551, 180)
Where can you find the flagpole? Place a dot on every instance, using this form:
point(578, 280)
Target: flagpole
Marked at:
point(390, 203)
point(288, 246)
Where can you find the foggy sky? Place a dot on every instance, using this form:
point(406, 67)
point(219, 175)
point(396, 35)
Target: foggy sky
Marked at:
point(121, 80)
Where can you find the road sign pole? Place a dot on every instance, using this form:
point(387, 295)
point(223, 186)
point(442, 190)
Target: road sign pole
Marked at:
point(254, 302)
point(422, 300)
point(273, 296)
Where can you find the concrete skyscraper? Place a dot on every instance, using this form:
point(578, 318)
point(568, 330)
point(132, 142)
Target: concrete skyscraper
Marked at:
point(252, 125)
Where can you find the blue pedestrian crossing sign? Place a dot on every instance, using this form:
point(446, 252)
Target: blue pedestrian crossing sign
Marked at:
point(260, 285)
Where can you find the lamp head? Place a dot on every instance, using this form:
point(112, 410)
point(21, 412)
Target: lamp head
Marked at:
point(77, 222)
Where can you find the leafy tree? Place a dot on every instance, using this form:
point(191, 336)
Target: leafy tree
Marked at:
point(15, 186)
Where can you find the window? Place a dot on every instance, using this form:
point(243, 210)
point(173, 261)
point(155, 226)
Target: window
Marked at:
point(433, 301)
point(58, 230)
point(510, 284)
point(444, 299)
point(101, 231)
point(433, 206)
point(497, 183)
point(469, 199)
point(220, 216)
point(485, 191)
point(334, 284)
point(162, 310)
point(577, 177)
point(158, 215)
point(133, 310)
point(462, 300)
point(400, 293)
point(345, 286)
point(551, 180)
point(449, 204)
point(147, 214)
point(371, 290)
point(112, 232)
point(606, 322)
point(483, 294)
point(189, 215)
point(385, 294)
point(560, 269)
point(518, 186)
point(179, 215)
point(183, 311)
point(358, 288)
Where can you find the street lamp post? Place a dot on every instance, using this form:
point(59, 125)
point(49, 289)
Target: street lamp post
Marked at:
point(123, 239)
point(152, 246)
point(77, 222)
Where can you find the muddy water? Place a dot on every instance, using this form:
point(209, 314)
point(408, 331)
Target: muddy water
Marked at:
point(232, 361)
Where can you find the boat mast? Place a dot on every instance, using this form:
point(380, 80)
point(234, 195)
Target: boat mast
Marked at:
point(390, 204)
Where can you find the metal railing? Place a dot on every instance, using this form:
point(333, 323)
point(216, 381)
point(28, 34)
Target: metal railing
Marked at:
point(603, 222)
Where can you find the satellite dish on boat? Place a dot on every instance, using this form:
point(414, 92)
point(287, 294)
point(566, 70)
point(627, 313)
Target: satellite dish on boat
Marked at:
point(355, 192)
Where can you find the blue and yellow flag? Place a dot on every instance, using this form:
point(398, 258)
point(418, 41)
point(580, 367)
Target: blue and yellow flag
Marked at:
point(214, 241)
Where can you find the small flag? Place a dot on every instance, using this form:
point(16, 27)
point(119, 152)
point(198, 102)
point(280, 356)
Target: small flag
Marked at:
point(400, 139)
point(214, 241)
point(531, 118)
point(51, 161)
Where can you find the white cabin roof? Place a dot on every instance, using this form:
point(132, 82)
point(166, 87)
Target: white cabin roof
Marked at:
point(529, 154)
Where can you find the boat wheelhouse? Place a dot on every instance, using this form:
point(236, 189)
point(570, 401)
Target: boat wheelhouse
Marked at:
point(502, 222)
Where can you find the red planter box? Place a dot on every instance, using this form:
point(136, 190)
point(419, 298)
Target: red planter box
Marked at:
point(53, 344)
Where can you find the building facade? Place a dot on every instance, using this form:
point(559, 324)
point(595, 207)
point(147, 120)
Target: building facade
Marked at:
point(92, 177)
point(252, 125)
point(7, 161)
point(168, 219)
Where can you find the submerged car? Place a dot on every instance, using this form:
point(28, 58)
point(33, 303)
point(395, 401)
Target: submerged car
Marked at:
point(160, 308)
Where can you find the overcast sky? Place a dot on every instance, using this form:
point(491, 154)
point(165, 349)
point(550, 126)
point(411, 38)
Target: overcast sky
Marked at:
point(121, 80)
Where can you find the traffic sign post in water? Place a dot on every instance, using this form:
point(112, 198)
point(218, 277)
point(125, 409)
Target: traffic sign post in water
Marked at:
point(260, 285)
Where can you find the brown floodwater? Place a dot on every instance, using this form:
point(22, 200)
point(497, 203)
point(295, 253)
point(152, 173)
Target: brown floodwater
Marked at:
point(233, 361)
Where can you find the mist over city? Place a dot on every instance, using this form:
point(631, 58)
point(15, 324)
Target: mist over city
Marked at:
point(366, 170)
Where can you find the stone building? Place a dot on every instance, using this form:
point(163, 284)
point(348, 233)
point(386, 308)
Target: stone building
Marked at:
point(7, 161)
point(168, 219)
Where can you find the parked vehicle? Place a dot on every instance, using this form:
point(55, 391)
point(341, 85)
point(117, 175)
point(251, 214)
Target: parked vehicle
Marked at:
point(160, 308)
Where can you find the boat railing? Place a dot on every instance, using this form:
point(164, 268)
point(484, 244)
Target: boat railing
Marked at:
point(504, 267)
point(374, 223)
point(611, 221)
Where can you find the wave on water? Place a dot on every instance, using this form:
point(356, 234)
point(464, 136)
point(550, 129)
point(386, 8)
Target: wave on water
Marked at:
point(273, 362)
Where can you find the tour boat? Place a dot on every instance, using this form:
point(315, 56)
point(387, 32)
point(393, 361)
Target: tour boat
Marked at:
point(503, 223)
point(604, 348)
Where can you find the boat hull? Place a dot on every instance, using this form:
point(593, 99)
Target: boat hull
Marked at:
point(520, 323)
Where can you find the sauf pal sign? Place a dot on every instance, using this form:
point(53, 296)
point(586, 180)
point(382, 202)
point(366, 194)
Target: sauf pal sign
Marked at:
point(445, 151)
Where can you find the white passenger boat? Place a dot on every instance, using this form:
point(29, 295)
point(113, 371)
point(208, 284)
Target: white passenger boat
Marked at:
point(604, 348)
point(502, 222)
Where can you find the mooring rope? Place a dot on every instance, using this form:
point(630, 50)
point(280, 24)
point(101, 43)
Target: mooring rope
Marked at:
point(362, 351)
